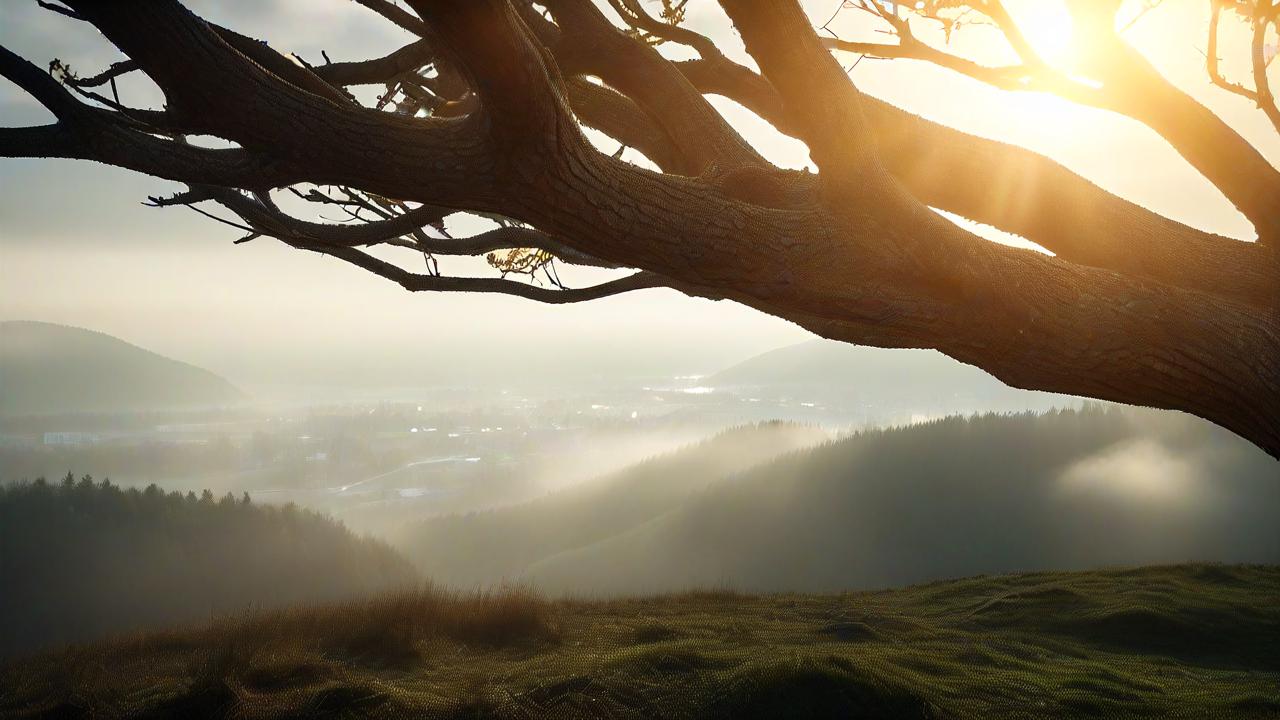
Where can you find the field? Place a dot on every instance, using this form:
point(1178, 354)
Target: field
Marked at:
point(1189, 641)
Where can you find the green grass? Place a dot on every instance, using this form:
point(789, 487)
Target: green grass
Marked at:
point(1190, 641)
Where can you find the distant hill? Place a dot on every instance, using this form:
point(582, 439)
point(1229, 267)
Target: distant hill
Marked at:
point(50, 369)
point(82, 559)
point(879, 376)
point(487, 547)
point(954, 497)
point(837, 363)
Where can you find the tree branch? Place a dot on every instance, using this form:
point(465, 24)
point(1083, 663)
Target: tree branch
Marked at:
point(266, 219)
point(794, 61)
point(591, 45)
point(1264, 16)
point(395, 14)
point(1127, 84)
point(377, 70)
point(1027, 194)
point(434, 283)
point(39, 85)
point(862, 259)
point(1133, 87)
point(623, 120)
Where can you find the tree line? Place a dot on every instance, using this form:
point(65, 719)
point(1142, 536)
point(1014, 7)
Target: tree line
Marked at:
point(82, 558)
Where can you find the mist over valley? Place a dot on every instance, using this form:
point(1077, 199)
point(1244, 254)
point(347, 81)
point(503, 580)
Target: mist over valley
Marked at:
point(816, 467)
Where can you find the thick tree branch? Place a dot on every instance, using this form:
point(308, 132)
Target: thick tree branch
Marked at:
point(378, 70)
point(280, 66)
point(1133, 87)
point(1030, 195)
point(1125, 82)
point(949, 268)
point(590, 45)
point(620, 118)
point(863, 259)
point(397, 15)
point(224, 93)
point(794, 61)
point(41, 141)
point(39, 85)
point(1024, 193)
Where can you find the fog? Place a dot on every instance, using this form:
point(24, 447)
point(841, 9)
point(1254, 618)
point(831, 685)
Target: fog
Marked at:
point(812, 467)
point(798, 469)
point(1136, 472)
point(957, 497)
point(645, 443)
point(292, 326)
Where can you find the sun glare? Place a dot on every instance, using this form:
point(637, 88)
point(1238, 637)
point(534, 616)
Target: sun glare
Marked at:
point(1047, 26)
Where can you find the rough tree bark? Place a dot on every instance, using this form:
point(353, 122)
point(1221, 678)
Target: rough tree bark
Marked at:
point(484, 114)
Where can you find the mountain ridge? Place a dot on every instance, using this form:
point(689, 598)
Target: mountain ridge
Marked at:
point(1006, 492)
point(479, 550)
point(48, 368)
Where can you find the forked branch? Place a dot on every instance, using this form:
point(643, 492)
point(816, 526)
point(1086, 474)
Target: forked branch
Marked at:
point(484, 113)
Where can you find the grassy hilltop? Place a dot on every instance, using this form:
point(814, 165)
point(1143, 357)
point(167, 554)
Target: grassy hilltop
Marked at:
point(1190, 641)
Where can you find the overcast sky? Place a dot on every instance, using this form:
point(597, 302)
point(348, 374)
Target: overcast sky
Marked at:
point(77, 247)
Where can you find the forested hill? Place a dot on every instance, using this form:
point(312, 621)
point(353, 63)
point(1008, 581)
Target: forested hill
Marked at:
point(489, 547)
point(84, 559)
point(955, 497)
point(49, 369)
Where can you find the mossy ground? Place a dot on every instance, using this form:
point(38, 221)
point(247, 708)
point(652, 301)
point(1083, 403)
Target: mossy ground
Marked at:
point(1191, 641)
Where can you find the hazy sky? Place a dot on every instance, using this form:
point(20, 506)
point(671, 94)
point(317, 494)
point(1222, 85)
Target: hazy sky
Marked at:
point(77, 247)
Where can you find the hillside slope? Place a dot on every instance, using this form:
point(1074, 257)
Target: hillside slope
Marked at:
point(1064, 490)
point(80, 560)
point(1189, 642)
point(488, 547)
point(49, 369)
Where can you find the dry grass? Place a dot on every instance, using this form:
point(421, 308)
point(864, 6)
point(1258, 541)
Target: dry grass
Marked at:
point(1193, 642)
point(320, 659)
point(387, 629)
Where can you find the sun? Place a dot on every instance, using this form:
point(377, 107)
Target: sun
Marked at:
point(1047, 26)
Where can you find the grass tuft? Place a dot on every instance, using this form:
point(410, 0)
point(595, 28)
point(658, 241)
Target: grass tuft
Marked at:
point(1190, 641)
point(816, 689)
